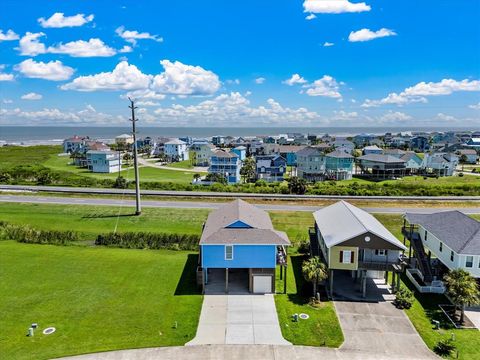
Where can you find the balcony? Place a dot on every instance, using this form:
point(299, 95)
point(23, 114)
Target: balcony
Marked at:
point(377, 265)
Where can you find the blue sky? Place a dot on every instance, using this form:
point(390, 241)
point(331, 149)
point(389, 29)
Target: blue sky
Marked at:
point(241, 63)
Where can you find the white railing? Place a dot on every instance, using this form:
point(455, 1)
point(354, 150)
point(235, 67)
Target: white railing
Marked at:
point(436, 286)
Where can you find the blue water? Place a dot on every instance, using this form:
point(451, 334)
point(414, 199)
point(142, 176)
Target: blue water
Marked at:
point(55, 135)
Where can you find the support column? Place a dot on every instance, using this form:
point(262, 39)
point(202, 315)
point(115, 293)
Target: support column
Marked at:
point(281, 272)
point(398, 281)
point(386, 277)
point(364, 284)
point(226, 280)
point(393, 281)
point(285, 280)
point(331, 282)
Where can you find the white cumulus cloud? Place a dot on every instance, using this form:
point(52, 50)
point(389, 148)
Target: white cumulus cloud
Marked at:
point(419, 92)
point(8, 36)
point(310, 17)
point(260, 80)
point(53, 70)
point(30, 44)
point(328, 44)
point(5, 76)
point(132, 36)
point(367, 34)
point(394, 116)
point(334, 6)
point(295, 79)
point(31, 96)
point(326, 86)
point(82, 48)
point(182, 79)
point(123, 77)
point(59, 20)
point(475, 106)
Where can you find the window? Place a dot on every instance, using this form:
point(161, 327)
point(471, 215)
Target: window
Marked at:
point(381, 252)
point(346, 257)
point(440, 247)
point(451, 255)
point(228, 252)
point(469, 261)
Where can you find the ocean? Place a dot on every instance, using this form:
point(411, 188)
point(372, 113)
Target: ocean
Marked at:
point(36, 135)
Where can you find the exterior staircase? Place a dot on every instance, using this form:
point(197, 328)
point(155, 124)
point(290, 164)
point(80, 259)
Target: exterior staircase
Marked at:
point(423, 261)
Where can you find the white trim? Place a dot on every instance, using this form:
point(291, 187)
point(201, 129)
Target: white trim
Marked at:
point(226, 258)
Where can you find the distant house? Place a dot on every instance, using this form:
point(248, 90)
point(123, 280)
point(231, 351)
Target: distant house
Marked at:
point(394, 152)
point(271, 168)
point(147, 141)
point(176, 150)
point(344, 144)
point(241, 151)
point(159, 146)
point(371, 149)
point(474, 142)
point(103, 161)
point(289, 153)
point(186, 139)
point(238, 239)
point(74, 144)
point(363, 139)
point(470, 154)
point(227, 164)
point(218, 140)
point(413, 162)
point(202, 153)
point(450, 237)
point(382, 166)
point(440, 164)
point(339, 165)
point(124, 140)
point(311, 164)
point(420, 143)
point(353, 242)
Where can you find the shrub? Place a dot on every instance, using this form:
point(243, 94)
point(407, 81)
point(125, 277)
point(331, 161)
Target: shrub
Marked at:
point(444, 347)
point(460, 174)
point(120, 183)
point(26, 234)
point(404, 298)
point(304, 247)
point(144, 240)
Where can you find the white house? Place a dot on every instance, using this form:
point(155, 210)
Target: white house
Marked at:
point(176, 150)
point(103, 161)
point(451, 237)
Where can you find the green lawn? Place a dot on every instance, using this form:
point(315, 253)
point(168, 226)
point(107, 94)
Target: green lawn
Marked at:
point(90, 221)
point(147, 174)
point(322, 328)
point(98, 299)
point(26, 155)
point(186, 164)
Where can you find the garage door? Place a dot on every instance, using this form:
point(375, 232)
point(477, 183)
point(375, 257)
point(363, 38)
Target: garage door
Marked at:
point(262, 284)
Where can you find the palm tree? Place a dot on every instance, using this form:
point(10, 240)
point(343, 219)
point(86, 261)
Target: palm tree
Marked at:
point(314, 271)
point(462, 289)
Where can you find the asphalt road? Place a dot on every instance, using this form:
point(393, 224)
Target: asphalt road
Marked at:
point(208, 205)
point(206, 194)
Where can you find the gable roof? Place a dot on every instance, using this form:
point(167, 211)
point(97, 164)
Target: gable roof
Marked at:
point(343, 221)
point(224, 154)
point(260, 231)
point(458, 231)
point(309, 151)
point(381, 158)
point(339, 154)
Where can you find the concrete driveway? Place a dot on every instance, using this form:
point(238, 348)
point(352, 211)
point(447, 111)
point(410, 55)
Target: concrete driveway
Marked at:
point(238, 319)
point(379, 328)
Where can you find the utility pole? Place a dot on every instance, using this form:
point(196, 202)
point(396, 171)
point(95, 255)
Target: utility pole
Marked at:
point(135, 162)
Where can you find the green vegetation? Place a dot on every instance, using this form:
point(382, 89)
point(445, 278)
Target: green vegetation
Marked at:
point(98, 299)
point(89, 221)
point(322, 328)
point(42, 165)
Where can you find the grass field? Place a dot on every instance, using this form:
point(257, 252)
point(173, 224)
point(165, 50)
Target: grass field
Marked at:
point(322, 328)
point(147, 174)
point(97, 299)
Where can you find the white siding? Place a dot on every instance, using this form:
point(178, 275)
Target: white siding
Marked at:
point(433, 244)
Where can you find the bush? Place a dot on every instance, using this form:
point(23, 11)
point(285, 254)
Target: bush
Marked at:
point(26, 234)
point(444, 347)
point(304, 247)
point(404, 298)
point(143, 240)
point(120, 183)
point(460, 174)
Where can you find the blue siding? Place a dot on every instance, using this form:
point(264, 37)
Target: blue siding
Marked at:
point(244, 256)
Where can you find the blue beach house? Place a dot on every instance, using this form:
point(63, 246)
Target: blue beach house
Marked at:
point(240, 250)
